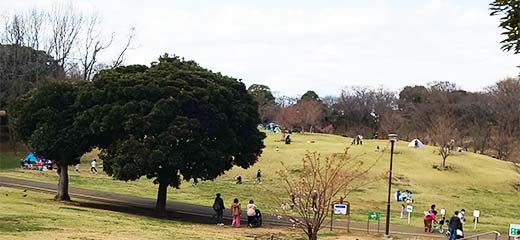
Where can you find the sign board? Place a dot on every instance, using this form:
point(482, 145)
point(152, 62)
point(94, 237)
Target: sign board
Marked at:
point(443, 211)
point(476, 213)
point(514, 230)
point(374, 216)
point(409, 208)
point(341, 209)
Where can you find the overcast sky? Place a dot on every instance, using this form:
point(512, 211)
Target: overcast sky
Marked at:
point(294, 46)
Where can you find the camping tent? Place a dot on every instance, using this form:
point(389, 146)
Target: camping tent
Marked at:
point(30, 157)
point(416, 143)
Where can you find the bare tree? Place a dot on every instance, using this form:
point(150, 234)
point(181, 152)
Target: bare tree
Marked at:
point(443, 130)
point(506, 109)
point(92, 46)
point(15, 30)
point(65, 28)
point(287, 117)
point(309, 112)
point(121, 57)
point(320, 182)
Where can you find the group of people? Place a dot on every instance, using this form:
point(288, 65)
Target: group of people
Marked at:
point(93, 167)
point(39, 163)
point(455, 223)
point(405, 196)
point(254, 216)
point(358, 140)
point(258, 178)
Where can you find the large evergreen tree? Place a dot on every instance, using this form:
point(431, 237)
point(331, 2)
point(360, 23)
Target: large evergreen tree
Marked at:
point(46, 121)
point(172, 121)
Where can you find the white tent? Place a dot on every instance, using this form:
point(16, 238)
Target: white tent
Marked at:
point(416, 143)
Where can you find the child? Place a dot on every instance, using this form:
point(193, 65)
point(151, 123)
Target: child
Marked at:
point(402, 210)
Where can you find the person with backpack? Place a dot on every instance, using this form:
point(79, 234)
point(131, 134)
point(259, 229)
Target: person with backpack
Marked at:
point(235, 213)
point(218, 206)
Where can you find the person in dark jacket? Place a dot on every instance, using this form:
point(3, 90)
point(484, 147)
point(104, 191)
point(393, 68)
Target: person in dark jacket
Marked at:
point(455, 224)
point(218, 206)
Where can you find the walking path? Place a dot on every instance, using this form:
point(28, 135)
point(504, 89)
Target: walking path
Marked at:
point(184, 211)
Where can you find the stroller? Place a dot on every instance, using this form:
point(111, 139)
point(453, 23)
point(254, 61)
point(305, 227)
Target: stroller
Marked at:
point(438, 226)
point(257, 220)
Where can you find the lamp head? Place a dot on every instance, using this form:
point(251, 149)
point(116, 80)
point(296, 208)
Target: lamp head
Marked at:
point(392, 137)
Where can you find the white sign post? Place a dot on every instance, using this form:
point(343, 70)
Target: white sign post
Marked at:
point(443, 212)
point(476, 215)
point(340, 209)
point(409, 210)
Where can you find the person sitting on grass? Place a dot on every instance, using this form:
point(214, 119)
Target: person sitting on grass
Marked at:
point(238, 179)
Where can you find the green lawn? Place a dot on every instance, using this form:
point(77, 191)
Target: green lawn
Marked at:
point(9, 160)
point(476, 181)
point(36, 216)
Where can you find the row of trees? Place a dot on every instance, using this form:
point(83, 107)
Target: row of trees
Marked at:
point(440, 113)
point(57, 43)
point(172, 121)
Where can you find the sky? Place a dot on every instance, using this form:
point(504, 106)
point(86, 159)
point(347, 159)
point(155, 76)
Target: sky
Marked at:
point(295, 46)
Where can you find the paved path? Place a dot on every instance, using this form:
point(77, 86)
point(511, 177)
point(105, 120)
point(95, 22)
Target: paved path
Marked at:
point(182, 211)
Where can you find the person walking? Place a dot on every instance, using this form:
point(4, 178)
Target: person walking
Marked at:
point(77, 167)
point(235, 213)
point(455, 226)
point(258, 177)
point(93, 168)
point(251, 212)
point(403, 208)
point(218, 206)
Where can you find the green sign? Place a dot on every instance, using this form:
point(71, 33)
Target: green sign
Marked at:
point(514, 230)
point(374, 216)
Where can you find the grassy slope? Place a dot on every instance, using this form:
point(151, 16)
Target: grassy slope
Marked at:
point(476, 182)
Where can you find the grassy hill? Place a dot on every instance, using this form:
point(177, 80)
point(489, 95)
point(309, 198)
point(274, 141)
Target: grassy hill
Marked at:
point(476, 181)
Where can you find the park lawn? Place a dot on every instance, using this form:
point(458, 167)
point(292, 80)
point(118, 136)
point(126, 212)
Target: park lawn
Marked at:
point(476, 181)
point(37, 216)
point(9, 160)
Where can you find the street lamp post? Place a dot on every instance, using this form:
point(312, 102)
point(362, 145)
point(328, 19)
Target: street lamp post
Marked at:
point(392, 138)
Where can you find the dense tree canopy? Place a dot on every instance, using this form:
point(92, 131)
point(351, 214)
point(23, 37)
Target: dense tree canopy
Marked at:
point(172, 121)
point(509, 10)
point(310, 96)
point(46, 120)
point(266, 102)
point(22, 69)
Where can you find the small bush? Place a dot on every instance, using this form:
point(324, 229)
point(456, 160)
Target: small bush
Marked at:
point(440, 168)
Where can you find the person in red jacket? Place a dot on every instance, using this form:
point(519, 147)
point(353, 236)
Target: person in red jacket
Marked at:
point(428, 220)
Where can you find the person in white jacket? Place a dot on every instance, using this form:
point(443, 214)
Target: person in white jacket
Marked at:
point(251, 212)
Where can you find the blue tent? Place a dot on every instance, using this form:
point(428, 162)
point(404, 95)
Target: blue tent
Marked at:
point(30, 157)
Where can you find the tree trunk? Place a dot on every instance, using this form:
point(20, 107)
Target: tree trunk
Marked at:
point(313, 235)
point(63, 184)
point(160, 206)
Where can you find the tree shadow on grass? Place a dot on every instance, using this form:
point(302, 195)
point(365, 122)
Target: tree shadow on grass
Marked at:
point(144, 212)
